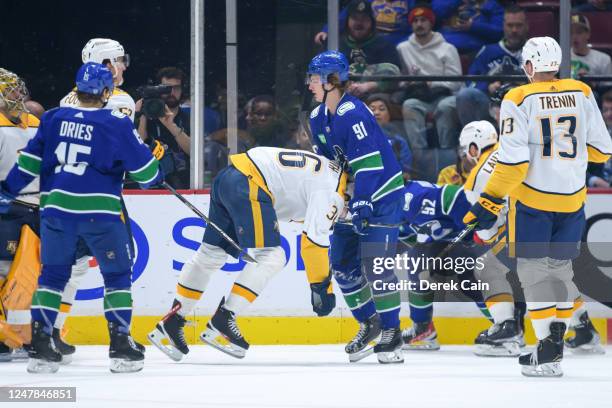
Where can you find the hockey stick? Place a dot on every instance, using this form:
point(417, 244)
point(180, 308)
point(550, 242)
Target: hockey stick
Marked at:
point(248, 258)
point(464, 232)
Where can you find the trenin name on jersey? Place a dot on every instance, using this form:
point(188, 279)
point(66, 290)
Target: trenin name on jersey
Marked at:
point(558, 101)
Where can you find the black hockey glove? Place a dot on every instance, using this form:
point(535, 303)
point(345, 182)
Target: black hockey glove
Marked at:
point(322, 297)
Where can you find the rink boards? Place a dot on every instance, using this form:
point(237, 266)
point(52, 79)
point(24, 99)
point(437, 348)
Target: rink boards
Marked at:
point(167, 233)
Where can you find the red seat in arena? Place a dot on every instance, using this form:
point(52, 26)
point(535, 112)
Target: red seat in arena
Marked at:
point(543, 23)
point(601, 30)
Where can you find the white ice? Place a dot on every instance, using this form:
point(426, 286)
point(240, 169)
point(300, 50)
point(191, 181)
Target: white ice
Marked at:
point(320, 376)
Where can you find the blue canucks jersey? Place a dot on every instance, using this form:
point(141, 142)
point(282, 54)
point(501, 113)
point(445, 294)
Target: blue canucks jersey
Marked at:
point(81, 155)
point(495, 59)
point(352, 136)
point(432, 212)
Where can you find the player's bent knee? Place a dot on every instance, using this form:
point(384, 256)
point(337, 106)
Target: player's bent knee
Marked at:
point(116, 280)
point(54, 276)
point(272, 258)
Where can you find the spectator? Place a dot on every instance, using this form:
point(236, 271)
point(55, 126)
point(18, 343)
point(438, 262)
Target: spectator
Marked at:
point(380, 106)
point(501, 58)
point(263, 123)
point(171, 129)
point(600, 175)
point(594, 5)
point(368, 53)
point(586, 61)
point(470, 24)
point(456, 173)
point(427, 53)
point(391, 18)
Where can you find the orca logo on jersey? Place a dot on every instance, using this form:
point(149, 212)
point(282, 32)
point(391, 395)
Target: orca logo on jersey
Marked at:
point(345, 107)
point(74, 130)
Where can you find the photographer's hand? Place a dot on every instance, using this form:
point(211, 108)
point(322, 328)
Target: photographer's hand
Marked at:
point(179, 134)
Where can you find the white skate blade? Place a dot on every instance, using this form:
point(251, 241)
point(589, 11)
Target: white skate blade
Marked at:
point(588, 349)
point(542, 370)
point(421, 347)
point(20, 354)
point(6, 357)
point(66, 359)
point(210, 336)
point(391, 357)
point(38, 366)
point(120, 365)
point(156, 337)
point(360, 355)
point(508, 349)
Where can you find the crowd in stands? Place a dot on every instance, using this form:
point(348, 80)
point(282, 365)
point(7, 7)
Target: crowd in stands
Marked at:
point(423, 120)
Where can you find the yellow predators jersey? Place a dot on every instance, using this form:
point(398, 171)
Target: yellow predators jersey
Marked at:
point(119, 100)
point(549, 131)
point(450, 175)
point(13, 138)
point(480, 174)
point(304, 187)
point(475, 184)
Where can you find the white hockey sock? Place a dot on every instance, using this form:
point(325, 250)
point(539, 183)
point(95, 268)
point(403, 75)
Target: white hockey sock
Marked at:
point(501, 307)
point(542, 314)
point(195, 275)
point(579, 309)
point(254, 278)
point(79, 269)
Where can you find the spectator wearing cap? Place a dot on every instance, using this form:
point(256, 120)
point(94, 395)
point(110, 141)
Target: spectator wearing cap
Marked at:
point(427, 53)
point(470, 24)
point(368, 53)
point(391, 20)
point(500, 58)
point(585, 60)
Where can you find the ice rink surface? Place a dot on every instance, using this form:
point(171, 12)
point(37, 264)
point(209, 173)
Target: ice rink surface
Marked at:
point(320, 376)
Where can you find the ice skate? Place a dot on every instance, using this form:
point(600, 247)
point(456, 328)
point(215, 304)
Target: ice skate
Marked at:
point(44, 357)
point(421, 336)
point(585, 340)
point(124, 354)
point(171, 328)
point(545, 360)
point(500, 340)
point(65, 349)
point(389, 349)
point(6, 353)
point(223, 333)
point(360, 347)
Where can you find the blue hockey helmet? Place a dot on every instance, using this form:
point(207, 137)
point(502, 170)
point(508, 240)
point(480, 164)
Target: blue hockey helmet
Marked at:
point(327, 63)
point(92, 78)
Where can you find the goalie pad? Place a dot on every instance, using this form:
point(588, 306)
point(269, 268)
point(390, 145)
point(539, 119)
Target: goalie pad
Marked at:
point(21, 283)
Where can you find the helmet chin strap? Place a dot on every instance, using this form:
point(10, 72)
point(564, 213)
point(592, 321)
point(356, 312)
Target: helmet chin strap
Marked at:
point(529, 77)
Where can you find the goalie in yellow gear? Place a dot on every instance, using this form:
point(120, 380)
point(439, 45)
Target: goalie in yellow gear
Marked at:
point(19, 222)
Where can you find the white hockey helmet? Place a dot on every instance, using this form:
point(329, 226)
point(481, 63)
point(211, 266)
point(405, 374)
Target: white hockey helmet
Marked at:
point(480, 133)
point(544, 53)
point(101, 49)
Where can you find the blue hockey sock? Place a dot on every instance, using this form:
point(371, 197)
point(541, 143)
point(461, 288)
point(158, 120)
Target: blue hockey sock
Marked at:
point(359, 300)
point(118, 306)
point(421, 306)
point(45, 307)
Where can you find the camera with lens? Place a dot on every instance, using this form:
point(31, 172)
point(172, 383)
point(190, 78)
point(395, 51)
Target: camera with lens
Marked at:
point(153, 106)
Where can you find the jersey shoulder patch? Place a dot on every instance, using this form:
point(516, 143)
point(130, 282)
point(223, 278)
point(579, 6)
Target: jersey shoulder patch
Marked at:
point(345, 107)
point(118, 114)
point(315, 112)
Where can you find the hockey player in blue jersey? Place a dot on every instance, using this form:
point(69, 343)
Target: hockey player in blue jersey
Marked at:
point(433, 216)
point(344, 129)
point(81, 155)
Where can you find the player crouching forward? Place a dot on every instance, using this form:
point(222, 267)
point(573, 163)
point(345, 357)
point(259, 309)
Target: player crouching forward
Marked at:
point(248, 199)
point(81, 155)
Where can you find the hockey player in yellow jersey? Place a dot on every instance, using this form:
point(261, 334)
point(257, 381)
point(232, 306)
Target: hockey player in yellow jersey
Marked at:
point(19, 223)
point(111, 53)
point(550, 130)
point(260, 188)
